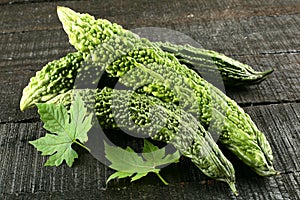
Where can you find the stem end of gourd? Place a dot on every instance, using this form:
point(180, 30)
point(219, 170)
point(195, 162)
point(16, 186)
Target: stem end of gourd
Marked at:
point(233, 188)
point(267, 72)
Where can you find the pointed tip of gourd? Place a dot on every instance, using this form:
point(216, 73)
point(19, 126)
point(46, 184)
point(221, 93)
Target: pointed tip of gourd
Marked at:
point(65, 13)
point(22, 108)
point(259, 76)
point(270, 171)
point(26, 99)
point(233, 188)
point(23, 104)
point(63, 9)
point(266, 73)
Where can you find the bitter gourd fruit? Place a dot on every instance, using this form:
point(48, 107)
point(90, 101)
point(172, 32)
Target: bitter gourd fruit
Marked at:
point(181, 129)
point(233, 72)
point(54, 79)
point(238, 132)
point(202, 61)
point(148, 116)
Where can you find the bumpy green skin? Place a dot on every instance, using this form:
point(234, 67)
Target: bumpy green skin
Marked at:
point(249, 144)
point(54, 79)
point(202, 61)
point(148, 116)
point(238, 132)
point(233, 72)
point(99, 30)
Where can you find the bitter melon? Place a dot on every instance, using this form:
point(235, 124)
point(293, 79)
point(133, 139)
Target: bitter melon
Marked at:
point(148, 116)
point(54, 79)
point(233, 72)
point(238, 132)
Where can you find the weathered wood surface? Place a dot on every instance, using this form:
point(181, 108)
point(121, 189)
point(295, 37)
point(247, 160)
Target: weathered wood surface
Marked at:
point(263, 34)
point(24, 174)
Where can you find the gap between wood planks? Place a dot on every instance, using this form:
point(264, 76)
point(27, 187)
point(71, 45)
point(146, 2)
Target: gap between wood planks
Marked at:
point(290, 172)
point(295, 51)
point(12, 2)
point(265, 103)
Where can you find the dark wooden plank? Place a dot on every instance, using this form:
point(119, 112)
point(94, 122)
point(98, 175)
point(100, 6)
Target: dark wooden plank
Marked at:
point(12, 84)
point(22, 174)
point(32, 49)
point(153, 12)
point(275, 188)
point(276, 32)
point(10, 2)
point(4, 2)
point(255, 35)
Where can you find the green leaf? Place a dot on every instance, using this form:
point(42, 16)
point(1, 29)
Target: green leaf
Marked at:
point(68, 130)
point(58, 146)
point(128, 163)
point(79, 119)
point(118, 175)
point(158, 156)
point(138, 176)
point(54, 117)
point(129, 149)
point(149, 147)
point(152, 152)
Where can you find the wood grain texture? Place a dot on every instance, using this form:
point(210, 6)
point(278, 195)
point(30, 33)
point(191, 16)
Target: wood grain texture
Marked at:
point(23, 173)
point(263, 34)
point(273, 189)
point(42, 15)
point(11, 92)
point(234, 36)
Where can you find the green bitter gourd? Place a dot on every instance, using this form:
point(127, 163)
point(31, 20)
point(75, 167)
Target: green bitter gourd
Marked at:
point(148, 116)
point(202, 61)
point(233, 72)
point(238, 132)
point(55, 78)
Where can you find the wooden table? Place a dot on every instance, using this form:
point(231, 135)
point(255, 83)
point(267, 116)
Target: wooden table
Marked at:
point(263, 34)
